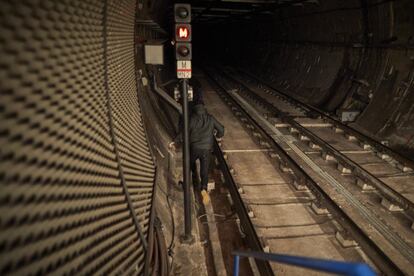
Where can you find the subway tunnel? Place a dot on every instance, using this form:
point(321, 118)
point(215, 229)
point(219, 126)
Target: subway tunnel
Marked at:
point(317, 102)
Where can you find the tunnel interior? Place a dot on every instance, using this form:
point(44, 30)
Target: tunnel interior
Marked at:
point(341, 57)
point(88, 182)
point(338, 56)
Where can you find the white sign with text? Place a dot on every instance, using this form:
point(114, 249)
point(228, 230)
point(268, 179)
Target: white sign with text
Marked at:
point(184, 69)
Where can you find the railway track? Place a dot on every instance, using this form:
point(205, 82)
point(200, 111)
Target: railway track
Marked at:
point(318, 131)
point(399, 161)
point(371, 168)
point(317, 178)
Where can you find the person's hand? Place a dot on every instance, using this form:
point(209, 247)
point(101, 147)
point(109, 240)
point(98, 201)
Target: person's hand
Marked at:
point(171, 146)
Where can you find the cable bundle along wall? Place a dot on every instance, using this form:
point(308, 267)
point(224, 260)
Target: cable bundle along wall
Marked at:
point(72, 144)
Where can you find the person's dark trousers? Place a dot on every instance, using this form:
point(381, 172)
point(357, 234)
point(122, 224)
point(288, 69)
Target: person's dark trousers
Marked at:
point(204, 156)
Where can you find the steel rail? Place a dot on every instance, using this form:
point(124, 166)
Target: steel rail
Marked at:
point(386, 191)
point(248, 228)
point(382, 261)
point(335, 122)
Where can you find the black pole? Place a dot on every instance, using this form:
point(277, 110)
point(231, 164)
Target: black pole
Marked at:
point(186, 165)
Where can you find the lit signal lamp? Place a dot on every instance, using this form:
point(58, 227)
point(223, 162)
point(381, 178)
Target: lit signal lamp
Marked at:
point(183, 32)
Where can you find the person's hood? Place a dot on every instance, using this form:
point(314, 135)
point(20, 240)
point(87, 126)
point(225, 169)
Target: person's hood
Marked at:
point(199, 109)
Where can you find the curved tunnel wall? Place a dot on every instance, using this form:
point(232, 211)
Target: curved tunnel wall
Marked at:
point(356, 54)
point(73, 147)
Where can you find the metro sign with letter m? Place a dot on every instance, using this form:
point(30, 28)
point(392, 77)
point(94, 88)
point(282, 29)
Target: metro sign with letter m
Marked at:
point(183, 32)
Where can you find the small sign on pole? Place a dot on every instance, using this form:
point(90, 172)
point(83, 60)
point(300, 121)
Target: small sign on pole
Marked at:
point(184, 69)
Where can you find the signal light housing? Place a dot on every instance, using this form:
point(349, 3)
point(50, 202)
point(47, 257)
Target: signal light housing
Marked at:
point(182, 13)
point(183, 51)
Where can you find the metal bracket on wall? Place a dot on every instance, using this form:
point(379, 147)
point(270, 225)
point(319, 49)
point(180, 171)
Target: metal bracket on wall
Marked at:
point(164, 95)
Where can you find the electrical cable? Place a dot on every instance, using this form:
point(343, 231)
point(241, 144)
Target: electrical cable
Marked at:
point(226, 218)
point(170, 247)
point(218, 221)
point(195, 204)
point(172, 225)
point(216, 215)
point(155, 266)
point(164, 268)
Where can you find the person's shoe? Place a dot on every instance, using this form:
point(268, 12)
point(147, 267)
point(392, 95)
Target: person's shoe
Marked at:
point(205, 196)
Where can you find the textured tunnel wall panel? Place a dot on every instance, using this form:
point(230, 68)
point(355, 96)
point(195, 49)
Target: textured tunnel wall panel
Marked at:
point(134, 154)
point(63, 208)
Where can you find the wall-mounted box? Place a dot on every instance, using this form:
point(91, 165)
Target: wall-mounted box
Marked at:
point(154, 54)
point(348, 115)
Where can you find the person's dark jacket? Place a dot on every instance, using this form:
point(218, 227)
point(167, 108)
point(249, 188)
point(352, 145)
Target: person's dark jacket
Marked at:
point(201, 128)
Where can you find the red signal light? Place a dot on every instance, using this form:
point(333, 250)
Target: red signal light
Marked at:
point(183, 32)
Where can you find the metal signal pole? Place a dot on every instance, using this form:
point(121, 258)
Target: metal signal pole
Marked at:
point(183, 54)
point(186, 164)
